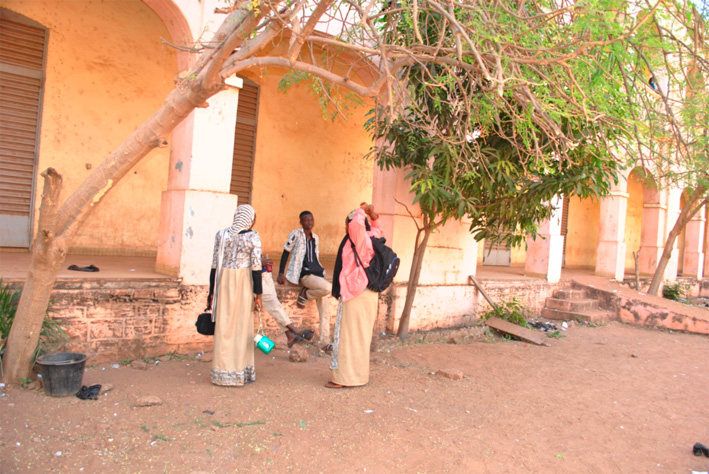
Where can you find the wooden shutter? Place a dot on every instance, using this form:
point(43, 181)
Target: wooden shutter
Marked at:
point(22, 61)
point(242, 169)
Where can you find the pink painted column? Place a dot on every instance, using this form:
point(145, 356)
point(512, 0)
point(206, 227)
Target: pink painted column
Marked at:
point(653, 233)
point(693, 263)
point(610, 253)
point(545, 253)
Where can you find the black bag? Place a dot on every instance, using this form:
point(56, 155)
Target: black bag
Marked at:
point(383, 267)
point(205, 325)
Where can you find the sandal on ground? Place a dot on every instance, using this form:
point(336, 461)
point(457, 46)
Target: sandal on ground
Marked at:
point(307, 334)
point(328, 349)
point(296, 339)
point(90, 268)
point(302, 298)
point(334, 385)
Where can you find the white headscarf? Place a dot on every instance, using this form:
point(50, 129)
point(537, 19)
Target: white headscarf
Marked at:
point(243, 219)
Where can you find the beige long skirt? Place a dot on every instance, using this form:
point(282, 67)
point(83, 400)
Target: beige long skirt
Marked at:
point(233, 362)
point(358, 317)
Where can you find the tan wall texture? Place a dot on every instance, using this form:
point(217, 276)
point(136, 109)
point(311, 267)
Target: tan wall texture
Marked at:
point(582, 233)
point(306, 162)
point(107, 72)
point(633, 221)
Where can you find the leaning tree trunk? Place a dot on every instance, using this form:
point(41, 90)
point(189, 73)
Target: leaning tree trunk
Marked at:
point(48, 254)
point(59, 225)
point(690, 209)
point(412, 285)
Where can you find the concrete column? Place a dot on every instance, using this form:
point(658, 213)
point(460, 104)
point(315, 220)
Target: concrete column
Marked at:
point(610, 254)
point(197, 202)
point(673, 210)
point(653, 233)
point(545, 253)
point(693, 262)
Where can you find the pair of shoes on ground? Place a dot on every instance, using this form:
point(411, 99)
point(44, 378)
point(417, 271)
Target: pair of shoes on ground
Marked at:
point(302, 298)
point(306, 335)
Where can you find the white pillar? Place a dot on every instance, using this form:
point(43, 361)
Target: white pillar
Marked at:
point(545, 253)
point(610, 254)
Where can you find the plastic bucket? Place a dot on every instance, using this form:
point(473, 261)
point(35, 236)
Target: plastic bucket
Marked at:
point(62, 373)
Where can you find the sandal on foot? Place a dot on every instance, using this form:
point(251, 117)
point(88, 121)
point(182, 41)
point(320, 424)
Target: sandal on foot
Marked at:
point(302, 298)
point(295, 340)
point(334, 385)
point(307, 334)
point(328, 349)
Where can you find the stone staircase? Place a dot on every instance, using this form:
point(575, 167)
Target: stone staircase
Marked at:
point(574, 304)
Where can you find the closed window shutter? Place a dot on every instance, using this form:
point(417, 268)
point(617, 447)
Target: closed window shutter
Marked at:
point(245, 142)
point(22, 51)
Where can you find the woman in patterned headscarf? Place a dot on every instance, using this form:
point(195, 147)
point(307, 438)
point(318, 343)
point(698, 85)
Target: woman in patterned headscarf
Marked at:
point(236, 278)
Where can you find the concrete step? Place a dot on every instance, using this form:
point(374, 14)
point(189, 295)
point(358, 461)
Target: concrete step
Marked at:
point(592, 316)
point(569, 294)
point(575, 305)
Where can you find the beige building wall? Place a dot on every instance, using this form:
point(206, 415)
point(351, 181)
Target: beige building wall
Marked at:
point(582, 232)
point(633, 221)
point(305, 162)
point(107, 71)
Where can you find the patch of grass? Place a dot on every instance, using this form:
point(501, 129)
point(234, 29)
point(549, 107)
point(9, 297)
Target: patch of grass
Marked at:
point(675, 290)
point(125, 361)
point(25, 382)
point(258, 422)
point(50, 336)
point(161, 438)
point(510, 310)
point(555, 335)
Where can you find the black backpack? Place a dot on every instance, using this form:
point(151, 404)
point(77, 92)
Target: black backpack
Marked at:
point(383, 267)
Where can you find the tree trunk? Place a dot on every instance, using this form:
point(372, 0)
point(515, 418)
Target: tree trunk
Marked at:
point(690, 209)
point(412, 285)
point(48, 255)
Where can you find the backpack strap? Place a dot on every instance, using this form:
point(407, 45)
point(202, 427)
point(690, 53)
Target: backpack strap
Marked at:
point(358, 261)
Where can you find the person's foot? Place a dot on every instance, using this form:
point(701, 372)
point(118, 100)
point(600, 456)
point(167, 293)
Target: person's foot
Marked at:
point(296, 339)
point(327, 349)
point(334, 385)
point(302, 298)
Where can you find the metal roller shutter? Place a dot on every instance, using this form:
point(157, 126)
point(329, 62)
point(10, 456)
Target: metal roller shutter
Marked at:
point(245, 142)
point(22, 52)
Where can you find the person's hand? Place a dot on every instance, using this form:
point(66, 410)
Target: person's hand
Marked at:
point(209, 303)
point(281, 279)
point(369, 210)
point(266, 260)
point(258, 303)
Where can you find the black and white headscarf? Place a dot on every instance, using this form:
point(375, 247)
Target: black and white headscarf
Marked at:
point(243, 219)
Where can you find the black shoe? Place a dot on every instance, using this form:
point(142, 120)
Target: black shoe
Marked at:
point(698, 449)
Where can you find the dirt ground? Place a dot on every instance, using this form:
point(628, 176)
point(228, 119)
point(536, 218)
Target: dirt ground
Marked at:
point(605, 399)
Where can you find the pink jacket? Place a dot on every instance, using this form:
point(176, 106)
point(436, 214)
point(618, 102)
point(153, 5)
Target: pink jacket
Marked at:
point(353, 279)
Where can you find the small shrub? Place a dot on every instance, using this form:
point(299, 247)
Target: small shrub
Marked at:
point(511, 310)
point(675, 290)
point(51, 334)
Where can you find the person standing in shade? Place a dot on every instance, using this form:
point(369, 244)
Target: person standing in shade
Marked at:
point(304, 269)
point(357, 308)
point(234, 280)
